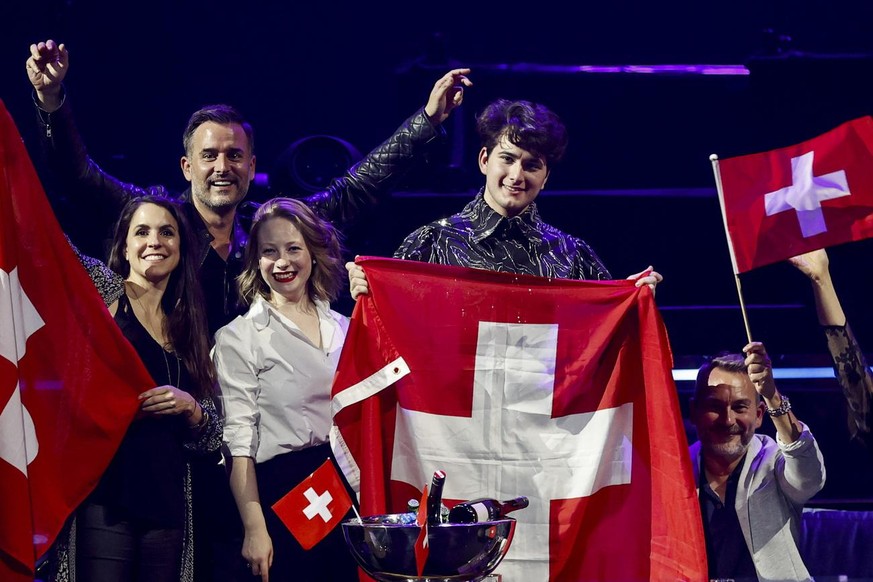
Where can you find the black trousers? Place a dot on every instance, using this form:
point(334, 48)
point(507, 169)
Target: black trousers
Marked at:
point(330, 560)
point(218, 531)
point(109, 549)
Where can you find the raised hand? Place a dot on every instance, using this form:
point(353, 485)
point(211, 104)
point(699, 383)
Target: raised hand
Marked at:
point(447, 93)
point(813, 264)
point(46, 68)
point(760, 369)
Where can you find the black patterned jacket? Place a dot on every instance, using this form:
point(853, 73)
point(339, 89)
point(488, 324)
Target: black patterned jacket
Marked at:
point(480, 238)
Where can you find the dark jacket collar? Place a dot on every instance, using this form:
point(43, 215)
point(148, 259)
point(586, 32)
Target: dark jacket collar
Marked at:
point(204, 238)
point(485, 222)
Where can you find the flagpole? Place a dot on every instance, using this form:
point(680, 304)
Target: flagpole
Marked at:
point(715, 170)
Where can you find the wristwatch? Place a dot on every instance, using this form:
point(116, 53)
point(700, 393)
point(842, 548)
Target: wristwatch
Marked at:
point(783, 408)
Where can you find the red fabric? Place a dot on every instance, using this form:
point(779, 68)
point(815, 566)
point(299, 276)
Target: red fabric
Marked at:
point(77, 377)
point(759, 239)
point(296, 511)
point(612, 350)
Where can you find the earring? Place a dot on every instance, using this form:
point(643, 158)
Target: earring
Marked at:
point(314, 262)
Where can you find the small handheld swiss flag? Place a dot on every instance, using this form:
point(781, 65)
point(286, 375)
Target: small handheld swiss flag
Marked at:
point(312, 509)
point(795, 199)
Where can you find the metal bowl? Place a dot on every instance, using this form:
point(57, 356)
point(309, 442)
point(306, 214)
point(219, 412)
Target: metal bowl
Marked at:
point(385, 548)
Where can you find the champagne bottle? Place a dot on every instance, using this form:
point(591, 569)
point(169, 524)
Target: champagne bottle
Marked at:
point(485, 509)
point(435, 498)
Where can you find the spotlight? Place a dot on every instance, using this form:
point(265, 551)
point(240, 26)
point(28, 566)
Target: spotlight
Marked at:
point(309, 164)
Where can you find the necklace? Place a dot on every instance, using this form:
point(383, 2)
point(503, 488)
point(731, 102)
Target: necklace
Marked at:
point(158, 338)
point(178, 382)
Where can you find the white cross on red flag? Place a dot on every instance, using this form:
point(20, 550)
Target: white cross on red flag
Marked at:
point(799, 198)
point(554, 389)
point(68, 379)
point(313, 508)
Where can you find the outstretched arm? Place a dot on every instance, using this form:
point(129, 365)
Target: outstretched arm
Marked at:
point(372, 178)
point(79, 178)
point(802, 475)
point(850, 365)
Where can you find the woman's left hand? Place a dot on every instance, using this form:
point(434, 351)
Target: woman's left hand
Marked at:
point(167, 400)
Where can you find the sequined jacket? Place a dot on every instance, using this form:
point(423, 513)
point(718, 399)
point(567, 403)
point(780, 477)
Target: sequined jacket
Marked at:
point(480, 238)
point(855, 378)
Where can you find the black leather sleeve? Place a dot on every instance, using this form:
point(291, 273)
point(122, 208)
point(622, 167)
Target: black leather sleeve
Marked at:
point(372, 178)
point(81, 181)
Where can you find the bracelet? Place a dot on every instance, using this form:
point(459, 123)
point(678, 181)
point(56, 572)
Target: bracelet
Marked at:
point(783, 409)
point(204, 419)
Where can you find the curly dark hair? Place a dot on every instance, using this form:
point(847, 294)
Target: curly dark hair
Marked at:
point(528, 125)
point(182, 301)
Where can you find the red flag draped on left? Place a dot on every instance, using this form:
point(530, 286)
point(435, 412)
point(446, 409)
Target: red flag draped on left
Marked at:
point(68, 379)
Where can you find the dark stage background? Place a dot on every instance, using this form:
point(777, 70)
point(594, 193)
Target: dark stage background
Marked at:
point(636, 184)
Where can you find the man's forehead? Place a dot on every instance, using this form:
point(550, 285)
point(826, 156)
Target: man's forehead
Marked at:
point(729, 386)
point(506, 146)
point(213, 132)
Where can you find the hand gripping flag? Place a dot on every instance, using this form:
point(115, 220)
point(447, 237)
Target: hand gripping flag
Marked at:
point(313, 508)
point(796, 199)
point(68, 378)
point(514, 385)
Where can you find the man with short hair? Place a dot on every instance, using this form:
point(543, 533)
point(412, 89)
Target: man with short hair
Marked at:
point(751, 487)
point(219, 164)
point(501, 229)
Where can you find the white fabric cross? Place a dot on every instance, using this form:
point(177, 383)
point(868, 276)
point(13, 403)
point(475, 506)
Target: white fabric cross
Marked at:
point(806, 194)
point(512, 446)
point(18, 320)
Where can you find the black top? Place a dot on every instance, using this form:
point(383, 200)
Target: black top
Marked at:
point(726, 550)
point(146, 479)
point(480, 238)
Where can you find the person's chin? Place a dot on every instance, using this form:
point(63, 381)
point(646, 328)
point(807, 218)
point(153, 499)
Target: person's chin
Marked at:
point(727, 450)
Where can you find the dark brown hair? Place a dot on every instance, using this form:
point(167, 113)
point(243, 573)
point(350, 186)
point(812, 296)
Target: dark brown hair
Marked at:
point(530, 126)
point(182, 301)
point(221, 114)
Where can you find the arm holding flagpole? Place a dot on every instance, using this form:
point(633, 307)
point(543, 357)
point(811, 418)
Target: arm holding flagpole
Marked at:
point(850, 365)
point(715, 170)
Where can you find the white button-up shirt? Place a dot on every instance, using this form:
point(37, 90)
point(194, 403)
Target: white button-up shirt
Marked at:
point(275, 384)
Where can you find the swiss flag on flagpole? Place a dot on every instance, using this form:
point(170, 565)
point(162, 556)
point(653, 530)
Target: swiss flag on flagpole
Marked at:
point(518, 385)
point(68, 379)
point(792, 200)
point(313, 508)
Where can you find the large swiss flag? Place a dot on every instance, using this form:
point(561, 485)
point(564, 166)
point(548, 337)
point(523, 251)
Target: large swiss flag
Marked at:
point(516, 385)
point(807, 196)
point(68, 378)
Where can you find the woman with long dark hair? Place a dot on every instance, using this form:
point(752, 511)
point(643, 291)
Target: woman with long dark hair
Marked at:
point(136, 523)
